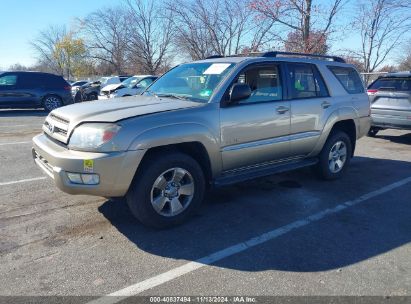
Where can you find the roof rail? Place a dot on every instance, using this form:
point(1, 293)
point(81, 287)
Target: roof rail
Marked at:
point(275, 54)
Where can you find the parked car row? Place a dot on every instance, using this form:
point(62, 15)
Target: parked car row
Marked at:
point(390, 95)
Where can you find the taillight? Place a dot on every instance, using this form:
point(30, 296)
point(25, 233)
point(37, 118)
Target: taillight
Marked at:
point(67, 88)
point(372, 91)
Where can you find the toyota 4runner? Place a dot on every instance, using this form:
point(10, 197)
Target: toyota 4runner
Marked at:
point(211, 122)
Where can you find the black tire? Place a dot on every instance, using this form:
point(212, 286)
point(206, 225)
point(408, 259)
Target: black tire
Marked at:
point(323, 166)
point(51, 102)
point(92, 96)
point(139, 195)
point(373, 132)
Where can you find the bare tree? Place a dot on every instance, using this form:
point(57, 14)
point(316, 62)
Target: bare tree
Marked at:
point(19, 67)
point(309, 23)
point(382, 24)
point(405, 61)
point(151, 33)
point(45, 47)
point(106, 36)
point(207, 27)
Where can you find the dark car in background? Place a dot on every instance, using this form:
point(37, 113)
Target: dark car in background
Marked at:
point(390, 98)
point(33, 90)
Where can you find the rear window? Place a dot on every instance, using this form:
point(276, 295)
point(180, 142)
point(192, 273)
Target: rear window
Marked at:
point(349, 79)
point(397, 84)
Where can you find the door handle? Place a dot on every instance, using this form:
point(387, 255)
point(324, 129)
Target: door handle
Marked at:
point(325, 104)
point(282, 109)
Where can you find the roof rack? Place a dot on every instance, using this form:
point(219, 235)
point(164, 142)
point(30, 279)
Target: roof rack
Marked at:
point(275, 54)
point(214, 56)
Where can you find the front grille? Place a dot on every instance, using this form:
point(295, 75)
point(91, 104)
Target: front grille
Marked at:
point(56, 127)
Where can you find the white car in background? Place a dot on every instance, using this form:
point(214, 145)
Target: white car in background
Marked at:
point(110, 80)
point(129, 87)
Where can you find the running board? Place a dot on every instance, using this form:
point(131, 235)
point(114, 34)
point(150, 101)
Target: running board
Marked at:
point(254, 172)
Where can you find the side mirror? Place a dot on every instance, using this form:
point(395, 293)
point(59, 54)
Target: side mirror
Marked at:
point(239, 91)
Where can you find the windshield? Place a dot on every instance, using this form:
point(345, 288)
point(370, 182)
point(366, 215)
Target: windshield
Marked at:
point(103, 80)
point(131, 82)
point(193, 81)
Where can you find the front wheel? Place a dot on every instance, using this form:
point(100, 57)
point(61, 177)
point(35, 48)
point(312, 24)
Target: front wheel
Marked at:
point(335, 156)
point(166, 190)
point(52, 102)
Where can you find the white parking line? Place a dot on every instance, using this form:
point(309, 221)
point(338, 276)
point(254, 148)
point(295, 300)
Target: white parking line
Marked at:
point(15, 143)
point(23, 181)
point(172, 274)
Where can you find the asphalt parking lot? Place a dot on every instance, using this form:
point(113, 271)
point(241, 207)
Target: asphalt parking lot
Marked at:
point(287, 234)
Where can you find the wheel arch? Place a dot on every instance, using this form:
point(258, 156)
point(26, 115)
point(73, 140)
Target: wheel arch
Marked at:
point(195, 150)
point(344, 119)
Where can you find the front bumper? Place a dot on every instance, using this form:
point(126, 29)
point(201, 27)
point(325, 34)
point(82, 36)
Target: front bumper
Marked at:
point(115, 169)
point(103, 97)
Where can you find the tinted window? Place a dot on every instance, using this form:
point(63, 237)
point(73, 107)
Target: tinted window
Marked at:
point(305, 81)
point(8, 80)
point(349, 79)
point(30, 80)
point(397, 84)
point(264, 82)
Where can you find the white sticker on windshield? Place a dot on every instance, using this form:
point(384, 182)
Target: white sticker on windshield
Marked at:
point(216, 68)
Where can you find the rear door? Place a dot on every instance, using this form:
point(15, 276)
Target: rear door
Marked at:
point(310, 102)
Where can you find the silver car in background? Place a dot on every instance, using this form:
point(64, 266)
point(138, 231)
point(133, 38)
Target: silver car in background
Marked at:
point(390, 98)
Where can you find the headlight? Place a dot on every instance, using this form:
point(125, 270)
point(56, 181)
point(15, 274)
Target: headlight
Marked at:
point(92, 136)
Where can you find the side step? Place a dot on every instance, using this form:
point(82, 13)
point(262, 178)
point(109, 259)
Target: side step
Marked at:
point(254, 172)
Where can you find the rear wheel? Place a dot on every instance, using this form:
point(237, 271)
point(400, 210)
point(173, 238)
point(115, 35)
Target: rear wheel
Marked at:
point(92, 96)
point(166, 190)
point(335, 156)
point(52, 102)
point(373, 131)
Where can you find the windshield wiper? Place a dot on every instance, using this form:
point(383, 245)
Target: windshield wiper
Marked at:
point(172, 96)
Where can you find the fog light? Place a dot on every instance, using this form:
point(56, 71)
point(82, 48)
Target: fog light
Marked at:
point(75, 178)
point(90, 179)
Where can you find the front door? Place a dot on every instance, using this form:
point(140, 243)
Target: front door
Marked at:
point(8, 90)
point(256, 130)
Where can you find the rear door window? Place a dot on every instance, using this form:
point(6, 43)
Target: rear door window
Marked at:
point(306, 81)
point(349, 79)
point(396, 84)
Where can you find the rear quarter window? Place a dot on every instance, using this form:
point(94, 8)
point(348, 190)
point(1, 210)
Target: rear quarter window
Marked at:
point(349, 79)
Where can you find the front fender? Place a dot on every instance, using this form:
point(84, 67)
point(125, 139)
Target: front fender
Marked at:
point(181, 133)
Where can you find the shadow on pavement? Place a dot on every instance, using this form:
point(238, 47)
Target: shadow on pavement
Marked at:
point(401, 139)
point(237, 213)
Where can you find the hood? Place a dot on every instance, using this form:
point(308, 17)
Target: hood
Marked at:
point(110, 87)
point(116, 109)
